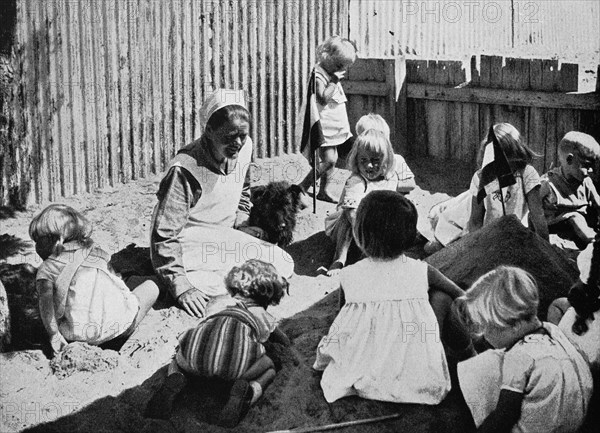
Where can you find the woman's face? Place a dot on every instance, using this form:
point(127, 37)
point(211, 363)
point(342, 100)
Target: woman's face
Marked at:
point(369, 164)
point(228, 139)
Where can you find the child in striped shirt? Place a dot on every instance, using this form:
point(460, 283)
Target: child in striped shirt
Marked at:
point(228, 345)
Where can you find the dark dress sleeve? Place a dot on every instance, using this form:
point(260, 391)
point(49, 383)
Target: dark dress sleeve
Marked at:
point(177, 194)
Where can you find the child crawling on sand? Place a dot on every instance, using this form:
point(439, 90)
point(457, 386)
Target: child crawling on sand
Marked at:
point(228, 345)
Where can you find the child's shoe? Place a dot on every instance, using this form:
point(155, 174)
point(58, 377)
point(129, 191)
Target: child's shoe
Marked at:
point(240, 398)
point(161, 404)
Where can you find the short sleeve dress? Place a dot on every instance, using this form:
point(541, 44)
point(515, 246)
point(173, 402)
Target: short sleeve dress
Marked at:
point(514, 196)
point(357, 187)
point(385, 342)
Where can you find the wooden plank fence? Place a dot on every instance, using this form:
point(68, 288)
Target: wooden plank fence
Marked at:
point(450, 106)
point(107, 91)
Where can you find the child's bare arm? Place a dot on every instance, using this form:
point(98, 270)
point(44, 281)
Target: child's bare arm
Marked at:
point(536, 213)
point(324, 92)
point(278, 336)
point(506, 414)
point(46, 303)
point(476, 218)
point(405, 186)
point(438, 281)
point(342, 299)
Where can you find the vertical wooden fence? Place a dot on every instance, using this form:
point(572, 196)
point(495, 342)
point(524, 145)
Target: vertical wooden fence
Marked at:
point(106, 91)
point(451, 106)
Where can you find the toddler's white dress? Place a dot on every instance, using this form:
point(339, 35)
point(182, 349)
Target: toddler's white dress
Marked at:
point(385, 342)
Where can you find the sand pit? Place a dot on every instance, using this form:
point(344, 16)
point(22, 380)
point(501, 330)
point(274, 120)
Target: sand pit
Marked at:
point(32, 396)
point(507, 242)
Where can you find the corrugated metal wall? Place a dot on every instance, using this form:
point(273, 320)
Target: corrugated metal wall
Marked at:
point(453, 29)
point(106, 91)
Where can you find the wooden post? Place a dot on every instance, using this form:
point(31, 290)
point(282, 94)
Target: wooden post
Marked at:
point(396, 79)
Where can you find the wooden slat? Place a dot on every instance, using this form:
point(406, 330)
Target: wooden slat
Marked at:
point(89, 90)
point(577, 101)
point(113, 101)
point(125, 88)
point(370, 88)
point(437, 112)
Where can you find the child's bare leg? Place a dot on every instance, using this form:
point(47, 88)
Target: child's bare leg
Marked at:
point(453, 332)
point(161, 403)
point(342, 245)
point(147, 294)
point(329, 157)
point(246, 391)
point(557, 310)
point(584, 234)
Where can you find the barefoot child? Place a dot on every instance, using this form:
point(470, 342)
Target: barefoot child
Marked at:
point(228, 345)
point(535, 380)
point(569, 197)
point(374, 166)
point(80, 298)
point(522, 198)
point(334, 56)
point(385, 342)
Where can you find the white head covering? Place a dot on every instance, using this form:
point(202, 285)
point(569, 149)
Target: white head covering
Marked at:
point(219, 99)
point(584, 263)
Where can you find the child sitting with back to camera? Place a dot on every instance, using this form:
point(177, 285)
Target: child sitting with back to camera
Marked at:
point(521, 199)
point(80, 298)
point(535, 380)
point(334, 56)
point(228, 345)
point(373, 166)
point(385, 342)
point(569, 197)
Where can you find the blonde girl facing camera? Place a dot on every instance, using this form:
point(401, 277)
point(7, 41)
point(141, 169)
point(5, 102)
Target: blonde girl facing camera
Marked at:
point(373, 166)
point(535, 380)
point(80, 298)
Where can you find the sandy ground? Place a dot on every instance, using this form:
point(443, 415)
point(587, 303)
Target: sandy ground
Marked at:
point(113, 395)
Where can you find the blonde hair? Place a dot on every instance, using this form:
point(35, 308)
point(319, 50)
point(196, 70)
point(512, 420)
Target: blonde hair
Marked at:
point(372, 121)
point(518, 154)
point(61, 223)
point(584, 144)
point(375, 141)
point(338, 49)
point(501, 298)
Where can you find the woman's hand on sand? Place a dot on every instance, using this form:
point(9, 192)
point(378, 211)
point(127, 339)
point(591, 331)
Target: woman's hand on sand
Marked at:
point(193, 302)
point(57, 342)
point(257, 232)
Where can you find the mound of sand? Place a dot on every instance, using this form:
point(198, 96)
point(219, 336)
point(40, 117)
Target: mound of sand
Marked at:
point(83, 357)
point(507, 242)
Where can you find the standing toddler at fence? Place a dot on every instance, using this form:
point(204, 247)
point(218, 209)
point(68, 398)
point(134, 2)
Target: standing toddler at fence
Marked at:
point(385, 342)
point(373, 166)
point(569, 197)
point(535, 380)
point(228, 345)
point(80, 298)
point(334, 56)
point(522, 198)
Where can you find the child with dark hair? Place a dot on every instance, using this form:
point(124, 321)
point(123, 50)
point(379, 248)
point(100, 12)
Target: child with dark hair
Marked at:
point(228, 345)
point(385, 342)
